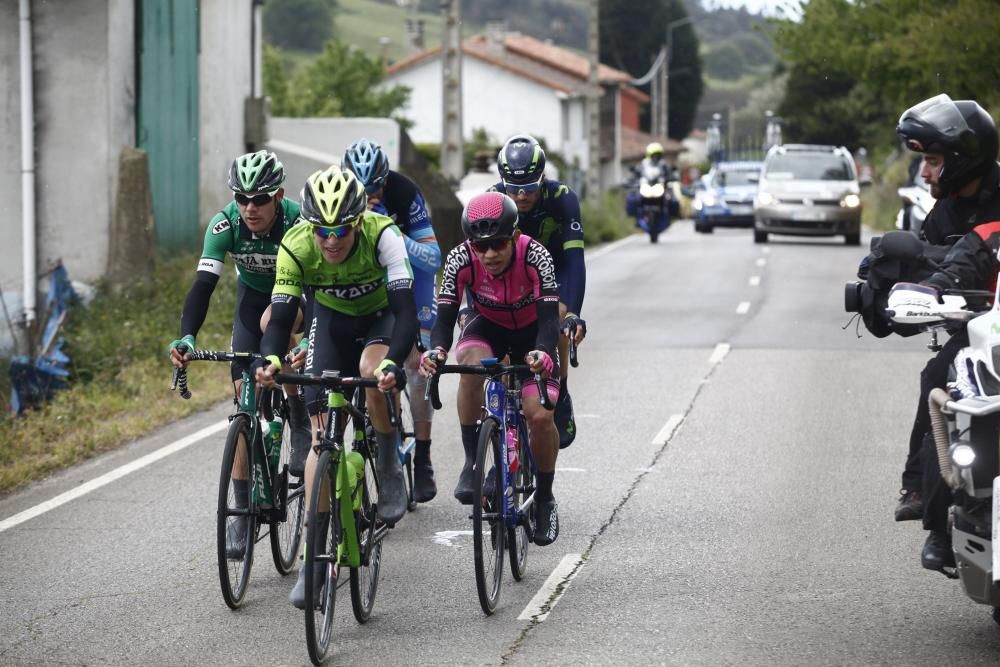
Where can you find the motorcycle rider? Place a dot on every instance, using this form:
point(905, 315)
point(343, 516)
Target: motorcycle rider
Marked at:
point(654, 159)
point(958, 140)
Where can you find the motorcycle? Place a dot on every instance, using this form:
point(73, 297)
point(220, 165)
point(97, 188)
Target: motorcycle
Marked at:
point(965, 420)
point(655, 203)
point(917, 203)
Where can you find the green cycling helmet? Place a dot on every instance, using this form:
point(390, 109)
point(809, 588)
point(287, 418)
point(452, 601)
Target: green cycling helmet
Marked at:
point(255, 173)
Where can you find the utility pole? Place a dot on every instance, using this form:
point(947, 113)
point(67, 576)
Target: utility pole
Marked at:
point(593, 180)
point(665, 107)
point(452, 153)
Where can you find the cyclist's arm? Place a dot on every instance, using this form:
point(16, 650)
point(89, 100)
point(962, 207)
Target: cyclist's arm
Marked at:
point(399, 287)
point(218, 241)
point(421, 243)
point(546, 289)
point(285, 299)
point(575, 269)
point(456, 267)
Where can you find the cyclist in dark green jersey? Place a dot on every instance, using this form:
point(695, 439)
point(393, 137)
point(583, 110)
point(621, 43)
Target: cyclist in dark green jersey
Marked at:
point(249, 229)
point(364, 320)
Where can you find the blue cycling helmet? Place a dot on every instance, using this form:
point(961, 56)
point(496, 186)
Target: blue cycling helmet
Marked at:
point(368, 162)
point(521, 160)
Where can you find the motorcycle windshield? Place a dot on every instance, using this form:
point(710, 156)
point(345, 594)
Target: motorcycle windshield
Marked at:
point(940, 112)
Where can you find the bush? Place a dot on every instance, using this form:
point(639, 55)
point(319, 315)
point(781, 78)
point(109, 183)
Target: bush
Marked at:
point(607, 220)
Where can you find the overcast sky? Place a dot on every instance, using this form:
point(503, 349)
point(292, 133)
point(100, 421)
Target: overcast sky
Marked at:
point(768, 7)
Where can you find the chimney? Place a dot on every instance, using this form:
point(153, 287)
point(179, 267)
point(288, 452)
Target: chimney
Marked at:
point(495, 33)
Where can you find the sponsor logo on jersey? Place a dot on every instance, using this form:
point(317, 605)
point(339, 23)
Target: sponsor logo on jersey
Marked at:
point(540, 258)
point(350, 292)
point(221, 226)
point(256, 262)
point(456, 260)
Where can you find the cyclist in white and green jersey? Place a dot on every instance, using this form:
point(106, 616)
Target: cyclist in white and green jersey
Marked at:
point(249, 229)
point(364, 320)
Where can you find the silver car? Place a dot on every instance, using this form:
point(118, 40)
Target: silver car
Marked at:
point(808, 190)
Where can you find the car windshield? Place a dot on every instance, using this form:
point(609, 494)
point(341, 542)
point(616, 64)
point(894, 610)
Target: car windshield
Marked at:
point(730, 178)
point(808, 168)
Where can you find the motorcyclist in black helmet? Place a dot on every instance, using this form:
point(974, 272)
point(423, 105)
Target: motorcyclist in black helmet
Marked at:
point(958, 140)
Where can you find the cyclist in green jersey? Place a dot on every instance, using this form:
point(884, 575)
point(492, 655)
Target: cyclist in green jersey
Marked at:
point(249, 230)
point(364, 320)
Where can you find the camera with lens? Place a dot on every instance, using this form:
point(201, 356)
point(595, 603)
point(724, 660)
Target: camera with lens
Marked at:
point(854, 295)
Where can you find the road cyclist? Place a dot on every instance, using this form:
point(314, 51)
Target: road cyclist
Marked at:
point(549, 212)
point(393, 194)
point(511, 280)
point(364, 321)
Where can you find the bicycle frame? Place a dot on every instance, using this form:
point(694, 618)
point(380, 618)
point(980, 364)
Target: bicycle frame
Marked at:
point(504, 404)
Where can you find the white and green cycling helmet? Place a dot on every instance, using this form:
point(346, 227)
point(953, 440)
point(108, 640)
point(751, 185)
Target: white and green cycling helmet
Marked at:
point(255, 173)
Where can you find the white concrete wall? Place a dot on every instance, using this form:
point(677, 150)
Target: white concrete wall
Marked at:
point(492, 98)
point(10, 155)
point(224, 82)
point(306, 144)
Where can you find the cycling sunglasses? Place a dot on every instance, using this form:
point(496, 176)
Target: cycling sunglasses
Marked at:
point(338, 232)
point(522, 188)
point(374, 186)
point(482, 247)
point(257, 200)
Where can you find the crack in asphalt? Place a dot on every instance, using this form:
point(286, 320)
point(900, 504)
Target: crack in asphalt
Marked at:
point(585, 556)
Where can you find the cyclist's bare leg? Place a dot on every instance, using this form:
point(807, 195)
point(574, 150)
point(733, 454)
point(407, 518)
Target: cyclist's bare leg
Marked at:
point(421, 427)
point(542, 435)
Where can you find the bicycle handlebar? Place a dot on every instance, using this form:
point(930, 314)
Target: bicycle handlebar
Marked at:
point(338, 382)
point(486, 369)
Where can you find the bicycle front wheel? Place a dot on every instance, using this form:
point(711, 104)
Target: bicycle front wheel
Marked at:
point(406, 439)
point(488, 527)
point(321, 551)
point(286, 536)
point(523, 481)
point(364, 579)
point(236, 523)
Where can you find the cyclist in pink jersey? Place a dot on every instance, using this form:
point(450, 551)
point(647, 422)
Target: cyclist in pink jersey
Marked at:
point(512, 283)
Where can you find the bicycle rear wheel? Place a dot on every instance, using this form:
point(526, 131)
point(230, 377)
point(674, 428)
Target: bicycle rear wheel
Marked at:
point(286, 536)
point(524, 485)
point(319, 618)
point(234, 508)
point(487, 518)
point(364, 579)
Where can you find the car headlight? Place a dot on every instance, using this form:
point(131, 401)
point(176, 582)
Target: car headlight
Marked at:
point(765, 199)
point(709, 200)
point(696, 204)
point(851, 201)
point(962, 454)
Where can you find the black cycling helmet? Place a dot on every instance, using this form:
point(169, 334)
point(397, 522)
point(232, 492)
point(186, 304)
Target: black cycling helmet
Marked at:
point(961, 131)
point(255, 173)
point(368, 162)
point(490, 215)
point(521, 160)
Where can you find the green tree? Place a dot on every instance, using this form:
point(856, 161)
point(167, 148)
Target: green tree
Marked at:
point(855, 65)
point(276, 73)
point(341, 81)
point(303, 25)
point(632, 33)
point(725, 61)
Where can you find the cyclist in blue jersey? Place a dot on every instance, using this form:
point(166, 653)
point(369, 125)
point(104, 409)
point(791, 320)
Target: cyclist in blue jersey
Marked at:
point(550, 213)
point(392, 194)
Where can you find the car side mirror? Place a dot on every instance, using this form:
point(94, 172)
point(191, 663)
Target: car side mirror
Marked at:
point(754, 178)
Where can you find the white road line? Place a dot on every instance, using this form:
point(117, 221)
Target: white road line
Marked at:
point(591, 256)
point(719, 353)
point(761, 261)
point(113, 475)
point(754, 281)
point(586, 415)
point(547, 596)
point(668, 429)
point(743, 308)
point(448, 537)
point(558, 469)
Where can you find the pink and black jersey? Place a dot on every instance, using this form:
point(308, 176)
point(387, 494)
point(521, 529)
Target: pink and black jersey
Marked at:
point(525, 293)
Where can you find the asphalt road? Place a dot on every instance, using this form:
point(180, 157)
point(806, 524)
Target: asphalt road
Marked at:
point(728, 501)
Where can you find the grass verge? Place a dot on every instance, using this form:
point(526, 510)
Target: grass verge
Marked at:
point(120, 375)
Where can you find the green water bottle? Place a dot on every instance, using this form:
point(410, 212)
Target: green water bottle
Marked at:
point(273, 442)
point(355, 471)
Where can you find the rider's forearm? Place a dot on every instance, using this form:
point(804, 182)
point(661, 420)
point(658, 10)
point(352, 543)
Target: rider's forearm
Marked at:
point(548, 327)
point(444, 326)
point(424, 255)
point(196, 303)
point(573, 287)
point(405, 327)
point(284, 308)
